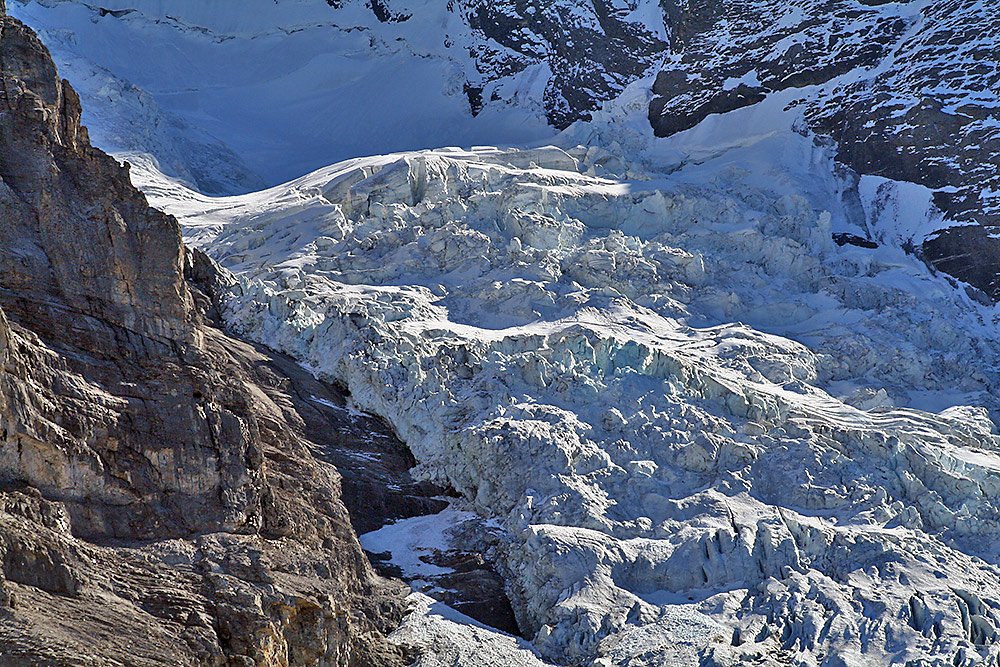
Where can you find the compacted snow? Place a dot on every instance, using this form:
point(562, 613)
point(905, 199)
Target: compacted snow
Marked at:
point(708, 432)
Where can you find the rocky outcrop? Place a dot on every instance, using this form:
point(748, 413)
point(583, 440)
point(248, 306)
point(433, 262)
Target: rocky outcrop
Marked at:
point(593, 49)
point(906, 91)
point(160, 501)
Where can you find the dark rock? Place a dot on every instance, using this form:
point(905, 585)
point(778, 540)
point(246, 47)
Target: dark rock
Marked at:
point(727, 100)
point(591, 47)
point(475, 589)
point(921, 108)
point(475, 97)
point(116, 13)
point(844, 238)
point(971, 252)
point(386, 15)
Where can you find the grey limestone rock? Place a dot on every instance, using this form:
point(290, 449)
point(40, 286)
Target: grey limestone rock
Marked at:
point(159, 499)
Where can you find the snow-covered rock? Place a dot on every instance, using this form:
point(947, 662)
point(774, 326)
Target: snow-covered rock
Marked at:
point(902, 90)
point(708, 431)
point(226, 96)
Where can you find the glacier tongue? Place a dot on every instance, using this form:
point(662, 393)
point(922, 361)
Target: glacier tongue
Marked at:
point(710, 433)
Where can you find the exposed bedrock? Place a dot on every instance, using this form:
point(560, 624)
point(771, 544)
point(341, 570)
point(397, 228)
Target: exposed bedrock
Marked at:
point(160, 502)
point(906, 90)
point(593, 49)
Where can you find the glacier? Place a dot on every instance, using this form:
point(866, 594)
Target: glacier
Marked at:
point(698, 429)
point(710, 434)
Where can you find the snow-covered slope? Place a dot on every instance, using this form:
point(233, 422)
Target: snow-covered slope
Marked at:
point(229, 96)
point(867, 72)
point(709, 432)
point(903, 90)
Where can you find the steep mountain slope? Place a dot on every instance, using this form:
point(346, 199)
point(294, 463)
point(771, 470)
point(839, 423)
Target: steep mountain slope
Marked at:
point(906, 91)
point(160, 502)
point(703, 400)
point(184, 81)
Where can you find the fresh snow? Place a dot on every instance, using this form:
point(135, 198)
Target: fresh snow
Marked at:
point(409, 542)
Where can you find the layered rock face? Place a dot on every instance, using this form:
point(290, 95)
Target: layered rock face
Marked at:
point(906, 91)
point(160, 501)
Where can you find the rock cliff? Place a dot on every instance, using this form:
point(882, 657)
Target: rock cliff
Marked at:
point(160, 499)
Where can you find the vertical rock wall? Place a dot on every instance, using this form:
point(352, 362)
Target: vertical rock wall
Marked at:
point(159, 503)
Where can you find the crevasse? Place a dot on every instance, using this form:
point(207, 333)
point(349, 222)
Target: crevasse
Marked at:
point(693, 414)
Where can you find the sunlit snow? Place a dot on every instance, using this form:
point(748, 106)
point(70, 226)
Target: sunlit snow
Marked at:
point(708, 433)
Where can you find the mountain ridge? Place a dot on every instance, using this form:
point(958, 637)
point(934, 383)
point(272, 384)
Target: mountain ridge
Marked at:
point(702, 398)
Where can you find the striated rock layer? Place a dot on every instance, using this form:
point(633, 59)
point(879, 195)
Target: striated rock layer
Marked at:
point(160, 500)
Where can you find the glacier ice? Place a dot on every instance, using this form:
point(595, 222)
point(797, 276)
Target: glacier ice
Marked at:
point(443, 636)
point(710, 434)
